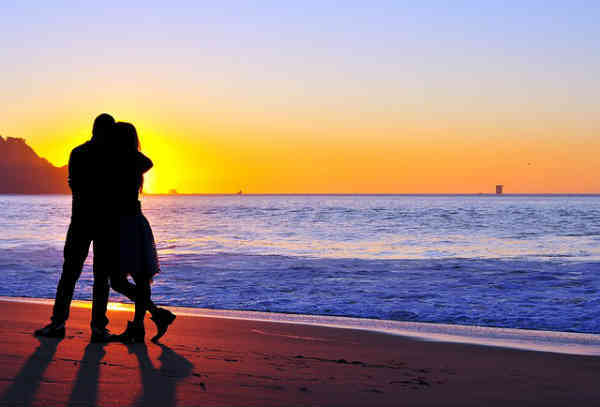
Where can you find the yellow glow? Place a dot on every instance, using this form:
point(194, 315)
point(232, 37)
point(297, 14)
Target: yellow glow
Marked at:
point(112, 306)
point(210, 155)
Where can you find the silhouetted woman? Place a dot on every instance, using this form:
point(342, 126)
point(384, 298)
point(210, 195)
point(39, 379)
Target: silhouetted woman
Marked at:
point(137, 250)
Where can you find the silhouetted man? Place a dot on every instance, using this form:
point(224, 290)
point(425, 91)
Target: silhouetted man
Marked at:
point(87, 164)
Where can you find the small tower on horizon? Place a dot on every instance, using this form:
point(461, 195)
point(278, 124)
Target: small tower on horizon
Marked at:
point(499, 189)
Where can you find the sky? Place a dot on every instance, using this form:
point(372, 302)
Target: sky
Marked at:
point(316, 96)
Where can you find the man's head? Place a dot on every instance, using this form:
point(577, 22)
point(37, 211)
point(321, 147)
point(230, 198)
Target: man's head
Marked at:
point(103, 126)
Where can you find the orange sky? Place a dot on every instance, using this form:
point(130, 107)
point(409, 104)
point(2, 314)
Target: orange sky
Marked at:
point(211, 157)
point(398, 98)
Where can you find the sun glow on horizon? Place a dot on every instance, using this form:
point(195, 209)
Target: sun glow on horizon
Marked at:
point(200, 159)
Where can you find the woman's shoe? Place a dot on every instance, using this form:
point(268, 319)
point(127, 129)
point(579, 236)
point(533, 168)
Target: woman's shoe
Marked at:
point(133, 334)
point(162, 318)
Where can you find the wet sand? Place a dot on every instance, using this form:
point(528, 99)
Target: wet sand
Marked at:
point(206, 361)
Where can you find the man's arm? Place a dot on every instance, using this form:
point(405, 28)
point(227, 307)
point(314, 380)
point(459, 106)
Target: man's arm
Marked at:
point(72, 165)
point(78, 162)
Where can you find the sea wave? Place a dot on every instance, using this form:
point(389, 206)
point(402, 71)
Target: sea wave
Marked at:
point(514, 293)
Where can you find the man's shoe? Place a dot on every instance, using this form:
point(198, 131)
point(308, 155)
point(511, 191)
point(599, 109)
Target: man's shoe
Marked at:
point(52, 330)
point(162, 318)
point(133, 334)
point(102, 336)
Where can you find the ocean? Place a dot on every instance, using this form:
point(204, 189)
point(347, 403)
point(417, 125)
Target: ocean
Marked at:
point(512, 261)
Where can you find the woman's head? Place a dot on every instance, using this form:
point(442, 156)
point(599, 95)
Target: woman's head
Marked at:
point(127, 142)
point(126, 137)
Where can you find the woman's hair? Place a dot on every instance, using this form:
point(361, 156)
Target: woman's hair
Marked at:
point(128, 142)
point(126, 137)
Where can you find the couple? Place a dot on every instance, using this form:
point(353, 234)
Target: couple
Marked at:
point(106, 177)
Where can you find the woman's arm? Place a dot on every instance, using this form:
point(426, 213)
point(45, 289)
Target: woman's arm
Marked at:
point(143, 163)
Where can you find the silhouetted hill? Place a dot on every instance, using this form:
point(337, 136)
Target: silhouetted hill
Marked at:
point(22, 171)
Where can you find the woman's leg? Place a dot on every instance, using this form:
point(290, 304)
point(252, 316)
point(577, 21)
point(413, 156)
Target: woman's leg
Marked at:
point(120, 284)
point(135, 331)
point(141, 290)
point(142, 300)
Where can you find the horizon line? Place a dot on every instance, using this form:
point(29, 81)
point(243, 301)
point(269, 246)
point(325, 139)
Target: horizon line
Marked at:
point(373, 194)
point(345, 194)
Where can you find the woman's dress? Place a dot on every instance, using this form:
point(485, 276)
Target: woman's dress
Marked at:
point(137, 248)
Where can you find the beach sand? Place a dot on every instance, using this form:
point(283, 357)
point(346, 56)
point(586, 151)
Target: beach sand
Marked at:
point(223, 362)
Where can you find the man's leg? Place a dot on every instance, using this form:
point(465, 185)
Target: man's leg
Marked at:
point(100, 291)
point(77, 245)
point(76, 249)
point(105, 253)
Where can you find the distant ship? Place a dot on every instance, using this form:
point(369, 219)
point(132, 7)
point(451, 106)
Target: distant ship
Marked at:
point(172, 192)
point(239, 192)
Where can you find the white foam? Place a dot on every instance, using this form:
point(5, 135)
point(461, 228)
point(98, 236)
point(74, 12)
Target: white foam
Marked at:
point(524, 339)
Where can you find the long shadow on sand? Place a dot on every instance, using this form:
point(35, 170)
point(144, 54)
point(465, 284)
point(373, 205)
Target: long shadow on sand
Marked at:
point(85, 388)
point(159, 385)
point(24, 387)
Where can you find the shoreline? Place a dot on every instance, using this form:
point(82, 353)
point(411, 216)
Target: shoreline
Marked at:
point(570, 343)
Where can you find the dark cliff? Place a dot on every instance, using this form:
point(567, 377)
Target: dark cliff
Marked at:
point(22, 171)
